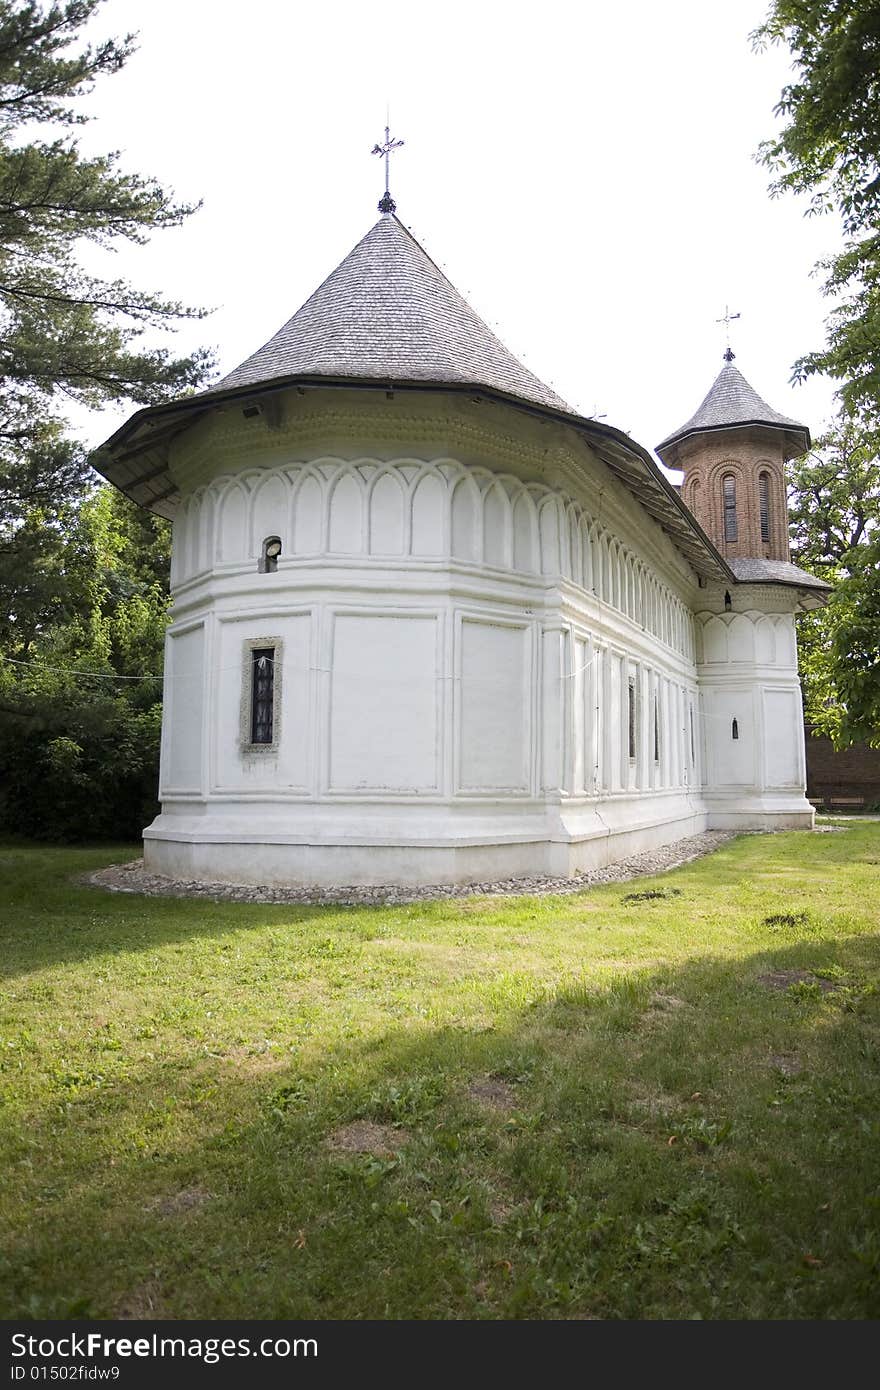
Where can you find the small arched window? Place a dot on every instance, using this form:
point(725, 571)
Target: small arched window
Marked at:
point(764, 505)
point(269, 557)
point(729, 492)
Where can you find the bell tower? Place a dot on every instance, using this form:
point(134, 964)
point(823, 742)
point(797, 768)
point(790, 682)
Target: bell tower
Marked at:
point(733, 452)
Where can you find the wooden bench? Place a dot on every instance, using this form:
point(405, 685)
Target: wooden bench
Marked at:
point(845, 803)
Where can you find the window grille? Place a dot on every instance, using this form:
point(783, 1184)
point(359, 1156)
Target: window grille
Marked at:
point(262, 694)
point(764, 505)
point(729, 486)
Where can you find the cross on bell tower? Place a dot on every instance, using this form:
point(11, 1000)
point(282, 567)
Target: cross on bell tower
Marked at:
point(727, 319)
point(386, 202)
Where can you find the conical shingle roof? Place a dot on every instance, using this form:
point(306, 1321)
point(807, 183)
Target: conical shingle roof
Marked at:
point(388, 313)
point(388, 317)
point(732, 402)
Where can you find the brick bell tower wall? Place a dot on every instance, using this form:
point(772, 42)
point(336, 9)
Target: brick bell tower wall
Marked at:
point(746, 454)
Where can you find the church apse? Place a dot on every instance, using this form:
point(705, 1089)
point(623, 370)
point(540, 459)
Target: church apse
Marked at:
point(457, 637)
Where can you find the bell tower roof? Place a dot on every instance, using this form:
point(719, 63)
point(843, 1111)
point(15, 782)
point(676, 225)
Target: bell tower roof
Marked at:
point(732, 403)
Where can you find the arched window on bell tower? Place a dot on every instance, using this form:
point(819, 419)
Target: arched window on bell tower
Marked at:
point(696, 500)
point(728, 485)
point(764, 505)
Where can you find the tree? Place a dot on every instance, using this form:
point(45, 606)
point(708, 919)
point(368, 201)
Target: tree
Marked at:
point(834, 499)
point(834, 508)
point(64, 333)
point(83, 574)
point(41, 489)
point(80, 717)
point(855, 646)
point(829, 148)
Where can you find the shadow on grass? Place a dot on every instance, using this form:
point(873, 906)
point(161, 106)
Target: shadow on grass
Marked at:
point(52, 917)
point(697, 1141)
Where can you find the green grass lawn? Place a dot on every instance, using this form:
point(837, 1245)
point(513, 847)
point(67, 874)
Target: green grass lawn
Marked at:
point(566, 1107)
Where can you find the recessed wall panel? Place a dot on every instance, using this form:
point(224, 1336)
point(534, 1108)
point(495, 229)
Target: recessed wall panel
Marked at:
point(286, 768)
point(383, 703)
point(185, 717)
point(494, 704)
point(782, 738)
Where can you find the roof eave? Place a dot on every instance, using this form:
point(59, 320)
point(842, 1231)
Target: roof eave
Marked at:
point(155, 489)
point(798, 435)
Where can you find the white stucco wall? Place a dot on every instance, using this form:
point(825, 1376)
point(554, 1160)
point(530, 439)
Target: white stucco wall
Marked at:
point(461, 606)
point(747, 667)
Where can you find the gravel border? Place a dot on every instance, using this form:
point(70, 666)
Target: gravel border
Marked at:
point(133, 878)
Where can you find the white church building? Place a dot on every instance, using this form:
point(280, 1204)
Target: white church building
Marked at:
point(430, 625)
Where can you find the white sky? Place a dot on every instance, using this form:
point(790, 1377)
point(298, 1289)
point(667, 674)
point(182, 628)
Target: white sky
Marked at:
point(584, 173)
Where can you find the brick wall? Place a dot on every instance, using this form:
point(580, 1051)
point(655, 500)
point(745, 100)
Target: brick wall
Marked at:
point(744, 454)
point(852, 772)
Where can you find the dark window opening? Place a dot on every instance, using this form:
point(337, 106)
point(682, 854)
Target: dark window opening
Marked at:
point(764, 505)
point(729, 486)
point(693, 741)
point(734, 732)
point(631, 717)
point(262, 694)
point(656, 729)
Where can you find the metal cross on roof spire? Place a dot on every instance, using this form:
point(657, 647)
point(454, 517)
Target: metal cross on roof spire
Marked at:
point(727, 319)
point(387, 203)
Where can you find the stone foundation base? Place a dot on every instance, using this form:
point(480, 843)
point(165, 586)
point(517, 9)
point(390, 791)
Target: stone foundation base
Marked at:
point(770, 813)
point(455, 847)
point(576, 840)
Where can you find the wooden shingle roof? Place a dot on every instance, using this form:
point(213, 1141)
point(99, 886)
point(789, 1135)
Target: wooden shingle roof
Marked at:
point(732, 403)
point(388, 318)
point(388, 313)
point(755, 569)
